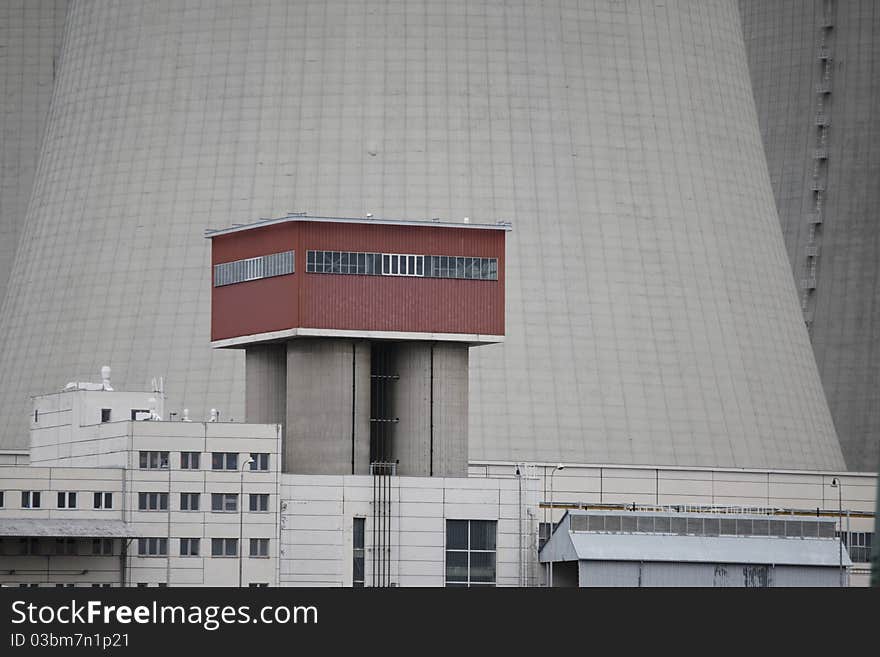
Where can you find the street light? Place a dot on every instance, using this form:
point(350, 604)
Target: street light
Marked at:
point(835, 483)
point(555, 470)
point(248, 461)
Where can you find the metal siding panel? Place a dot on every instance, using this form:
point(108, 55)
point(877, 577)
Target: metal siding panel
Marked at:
point(608, 573)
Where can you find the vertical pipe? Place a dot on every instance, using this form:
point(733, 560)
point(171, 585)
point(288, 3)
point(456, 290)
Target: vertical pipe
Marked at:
point(519, 518)
point(353, 398)
point(381, 508)
point(168, 550)
point(431, 411)
point(373, 528)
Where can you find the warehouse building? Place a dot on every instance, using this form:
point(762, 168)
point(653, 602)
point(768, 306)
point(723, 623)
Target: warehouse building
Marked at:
point(620, 548)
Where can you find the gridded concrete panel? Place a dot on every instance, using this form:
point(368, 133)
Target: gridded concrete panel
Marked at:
point(30, 41)
point(651, 314)
point(812, 62)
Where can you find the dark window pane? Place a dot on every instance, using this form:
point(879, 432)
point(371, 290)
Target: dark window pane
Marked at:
point(457, 566)
point(482, 566)
point(482, 535)
point(457, 534)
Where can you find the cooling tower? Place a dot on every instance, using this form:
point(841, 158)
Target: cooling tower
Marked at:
point(30, 38)
point(651, 312)
point(815, 70)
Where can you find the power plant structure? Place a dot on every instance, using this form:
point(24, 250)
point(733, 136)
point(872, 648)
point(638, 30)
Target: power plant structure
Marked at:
point(651, 316)
point(814, 75)
point(360, 350)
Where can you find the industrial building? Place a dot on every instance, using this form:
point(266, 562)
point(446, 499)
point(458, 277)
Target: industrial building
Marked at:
point(111, 500)
point(458, 253)
point(651, 314)
point(114, 492)
point(603, 548)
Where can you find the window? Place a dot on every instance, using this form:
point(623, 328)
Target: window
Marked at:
point(103, 500)
point(224, 547)
point(65, 586)
point(859, 545)
point(251, 269)
point(189, 501)
point(224, 461)
point(260, 461)
point(154, 460)
point(259, 501)
point(189, 460)
point(470, 552)
point(189, 547)
point(102, 586)
point(105, 415)
point(343, 262)
point(1, 499)
point(65, 546)
point(29, 546)
point(398, 264)
point(258, 585)
point(66, 500)
point(152, 547)
point(224, 501)
point(153, 501)
point(484, 269)
point(259, 547)
point(358, 532)
point(140, 414)
point(142, 585)
point(30, 499)
point(102, 546)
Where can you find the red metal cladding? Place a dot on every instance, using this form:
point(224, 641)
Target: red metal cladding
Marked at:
point(358, 302)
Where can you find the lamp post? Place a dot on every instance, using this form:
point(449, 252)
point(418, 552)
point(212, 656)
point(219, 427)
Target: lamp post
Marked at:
point(555, 470)
point(835, 483)
point(248, 461)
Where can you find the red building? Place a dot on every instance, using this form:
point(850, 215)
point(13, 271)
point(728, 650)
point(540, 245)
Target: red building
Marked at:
point(316, 276)
point(356, 333)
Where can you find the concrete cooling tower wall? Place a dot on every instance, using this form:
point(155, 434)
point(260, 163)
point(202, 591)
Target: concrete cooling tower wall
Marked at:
point(815, 70)
point(30, 42)
point(651, 311)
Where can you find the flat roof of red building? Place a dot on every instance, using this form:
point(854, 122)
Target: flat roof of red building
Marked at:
point(434, 223)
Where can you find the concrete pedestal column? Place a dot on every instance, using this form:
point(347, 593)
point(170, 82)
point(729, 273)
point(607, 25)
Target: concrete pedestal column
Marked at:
point(431, 401)
point(328, 407)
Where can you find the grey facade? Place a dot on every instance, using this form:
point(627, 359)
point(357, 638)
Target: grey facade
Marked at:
point(651, 313)
point(814, 70)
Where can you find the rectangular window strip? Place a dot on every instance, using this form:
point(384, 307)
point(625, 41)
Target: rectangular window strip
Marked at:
point(343, 262)
point(251, 269)
point(402, 264)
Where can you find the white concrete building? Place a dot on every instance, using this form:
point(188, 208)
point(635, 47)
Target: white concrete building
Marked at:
point(137, 502)
point(158, 502)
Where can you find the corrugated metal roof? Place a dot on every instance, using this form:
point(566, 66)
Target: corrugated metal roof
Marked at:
point(714, 549)
point(27, 527)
